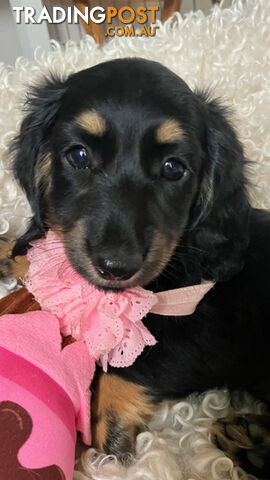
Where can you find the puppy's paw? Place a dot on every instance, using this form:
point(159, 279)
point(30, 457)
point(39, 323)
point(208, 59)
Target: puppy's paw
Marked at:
point(120, 410)
point(10, 268)
point(246, 440)
point(5, 261)
point(5, 268)
point(119, 436)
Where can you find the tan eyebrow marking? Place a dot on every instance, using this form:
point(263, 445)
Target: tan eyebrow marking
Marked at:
point(92, 122)
point(169, 131)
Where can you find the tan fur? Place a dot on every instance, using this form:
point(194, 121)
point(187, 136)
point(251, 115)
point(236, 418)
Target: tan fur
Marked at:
point(169, 131)
point(99, 430)
point(159, 254)
point(11, 268)
point(206, 191)
point(43, 173)
point(128, 401)
point(92, 122)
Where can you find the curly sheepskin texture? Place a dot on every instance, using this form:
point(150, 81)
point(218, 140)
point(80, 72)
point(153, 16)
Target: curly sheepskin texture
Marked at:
point(228, 52)
point(177, 444)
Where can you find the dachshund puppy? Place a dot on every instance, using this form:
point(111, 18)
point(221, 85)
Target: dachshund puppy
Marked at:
point(144, 181)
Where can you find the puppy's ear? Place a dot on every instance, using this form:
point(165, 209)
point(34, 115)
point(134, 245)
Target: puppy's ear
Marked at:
point(220, 225)
point(31, 154)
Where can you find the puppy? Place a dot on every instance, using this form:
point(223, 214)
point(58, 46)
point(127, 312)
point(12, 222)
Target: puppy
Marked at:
point(144, 181)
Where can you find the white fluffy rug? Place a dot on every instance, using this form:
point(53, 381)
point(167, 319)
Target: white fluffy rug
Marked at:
point(229, 52)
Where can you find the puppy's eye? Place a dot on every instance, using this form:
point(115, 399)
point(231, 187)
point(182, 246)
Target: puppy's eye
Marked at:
point(78, 157)
point(173, 169)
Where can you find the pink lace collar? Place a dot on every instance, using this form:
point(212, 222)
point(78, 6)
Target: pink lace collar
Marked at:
point(110, 324)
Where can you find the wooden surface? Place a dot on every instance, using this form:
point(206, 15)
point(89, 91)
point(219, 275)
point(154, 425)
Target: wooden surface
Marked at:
point(18, 302)
point(168, 7)
point(90, 28)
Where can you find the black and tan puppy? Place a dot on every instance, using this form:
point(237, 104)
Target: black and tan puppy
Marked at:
point(144, 180)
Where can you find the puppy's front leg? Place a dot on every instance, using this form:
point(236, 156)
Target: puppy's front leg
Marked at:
point(16, 268)
point(120, 410)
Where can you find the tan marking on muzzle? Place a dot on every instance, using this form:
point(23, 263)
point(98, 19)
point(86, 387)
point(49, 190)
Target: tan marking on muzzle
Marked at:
point(75, 246)
point(158, 256)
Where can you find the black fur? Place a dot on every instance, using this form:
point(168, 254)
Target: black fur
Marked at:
point(122, 201)
point(30, 148)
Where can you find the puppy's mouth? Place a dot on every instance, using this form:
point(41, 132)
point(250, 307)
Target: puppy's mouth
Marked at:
point(153, 264)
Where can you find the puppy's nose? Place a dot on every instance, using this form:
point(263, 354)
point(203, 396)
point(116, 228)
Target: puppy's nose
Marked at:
point(115, 269)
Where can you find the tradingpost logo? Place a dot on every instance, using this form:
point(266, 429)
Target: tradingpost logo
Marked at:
point(144, 17)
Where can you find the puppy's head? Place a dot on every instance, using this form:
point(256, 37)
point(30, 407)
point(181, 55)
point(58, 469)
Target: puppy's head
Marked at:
point(125, 162)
